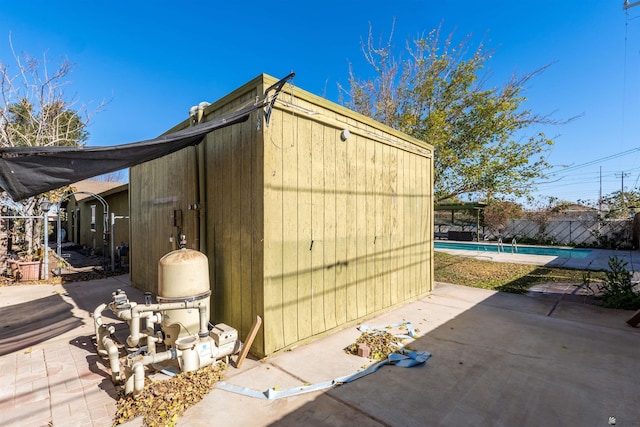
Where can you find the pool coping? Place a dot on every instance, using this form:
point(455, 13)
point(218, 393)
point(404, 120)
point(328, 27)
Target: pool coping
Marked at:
point(509, 248)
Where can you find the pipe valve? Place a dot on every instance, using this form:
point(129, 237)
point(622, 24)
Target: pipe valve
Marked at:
point(120, 300)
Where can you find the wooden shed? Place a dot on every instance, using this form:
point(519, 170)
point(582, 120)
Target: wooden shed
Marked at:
point(315, 219)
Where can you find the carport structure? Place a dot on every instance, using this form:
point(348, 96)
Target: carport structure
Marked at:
point(471, 218)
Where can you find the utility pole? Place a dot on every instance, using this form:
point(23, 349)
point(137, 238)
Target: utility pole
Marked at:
point(627, 5)
point(600, 194)
point(622, 175)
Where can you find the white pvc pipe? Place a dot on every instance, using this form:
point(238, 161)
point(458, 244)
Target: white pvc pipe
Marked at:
point(134, 339)
point(100, 329)
point(204, 321)
point(141, 308)
point(106, 346)
point(151, 338)
point(138, 378)
point(97, 323)
point(160, 357)
point(113, 237)
point(135, 335)
point(135, 378)
point(46, 245)
point(114, 356)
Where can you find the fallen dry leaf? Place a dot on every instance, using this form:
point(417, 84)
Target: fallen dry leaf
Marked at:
point(162, 402)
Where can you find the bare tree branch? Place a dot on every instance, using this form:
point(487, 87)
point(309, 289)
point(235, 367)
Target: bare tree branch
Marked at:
point(36, 111)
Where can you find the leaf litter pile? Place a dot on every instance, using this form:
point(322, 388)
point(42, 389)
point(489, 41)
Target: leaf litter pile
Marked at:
point(381, 344)
point(162, 402)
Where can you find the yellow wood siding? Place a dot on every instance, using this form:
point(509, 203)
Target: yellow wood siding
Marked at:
point(346, 224)
point(234, 230)
point(157, 190)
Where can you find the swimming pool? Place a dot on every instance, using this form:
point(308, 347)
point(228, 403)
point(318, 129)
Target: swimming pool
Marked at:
point(518, 249)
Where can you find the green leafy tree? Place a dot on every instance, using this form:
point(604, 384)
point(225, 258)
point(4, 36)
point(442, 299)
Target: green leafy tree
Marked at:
point(438, 93)
point(497, 213)
point(34, 111)
point(50, 125)
point(620, 204)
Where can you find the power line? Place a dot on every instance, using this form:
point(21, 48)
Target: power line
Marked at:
point(596, 161)
point(581, 178)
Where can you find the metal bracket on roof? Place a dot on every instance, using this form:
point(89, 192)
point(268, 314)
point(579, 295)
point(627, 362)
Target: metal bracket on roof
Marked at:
point(269, 100)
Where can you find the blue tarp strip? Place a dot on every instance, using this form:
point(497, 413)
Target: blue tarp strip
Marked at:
point(404, 359)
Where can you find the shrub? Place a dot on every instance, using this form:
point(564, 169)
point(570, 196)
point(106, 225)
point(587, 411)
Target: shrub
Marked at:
point(617, 289)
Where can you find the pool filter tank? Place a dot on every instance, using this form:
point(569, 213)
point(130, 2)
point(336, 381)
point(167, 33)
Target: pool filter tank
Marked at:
point(182, 275)
point(174, 331)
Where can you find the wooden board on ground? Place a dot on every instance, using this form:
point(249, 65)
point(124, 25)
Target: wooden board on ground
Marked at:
point(247, 345)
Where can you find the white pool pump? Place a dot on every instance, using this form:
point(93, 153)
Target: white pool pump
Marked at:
point(174, 331)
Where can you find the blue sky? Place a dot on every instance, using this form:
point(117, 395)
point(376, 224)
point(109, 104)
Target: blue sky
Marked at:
point(153, 60)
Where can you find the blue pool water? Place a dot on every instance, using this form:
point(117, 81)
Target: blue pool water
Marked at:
point(520, 249)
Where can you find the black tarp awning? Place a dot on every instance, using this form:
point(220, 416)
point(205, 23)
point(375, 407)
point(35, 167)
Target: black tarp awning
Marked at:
point(28, 171)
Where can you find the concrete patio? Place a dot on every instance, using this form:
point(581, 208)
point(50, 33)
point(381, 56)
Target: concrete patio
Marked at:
point(497, 359)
